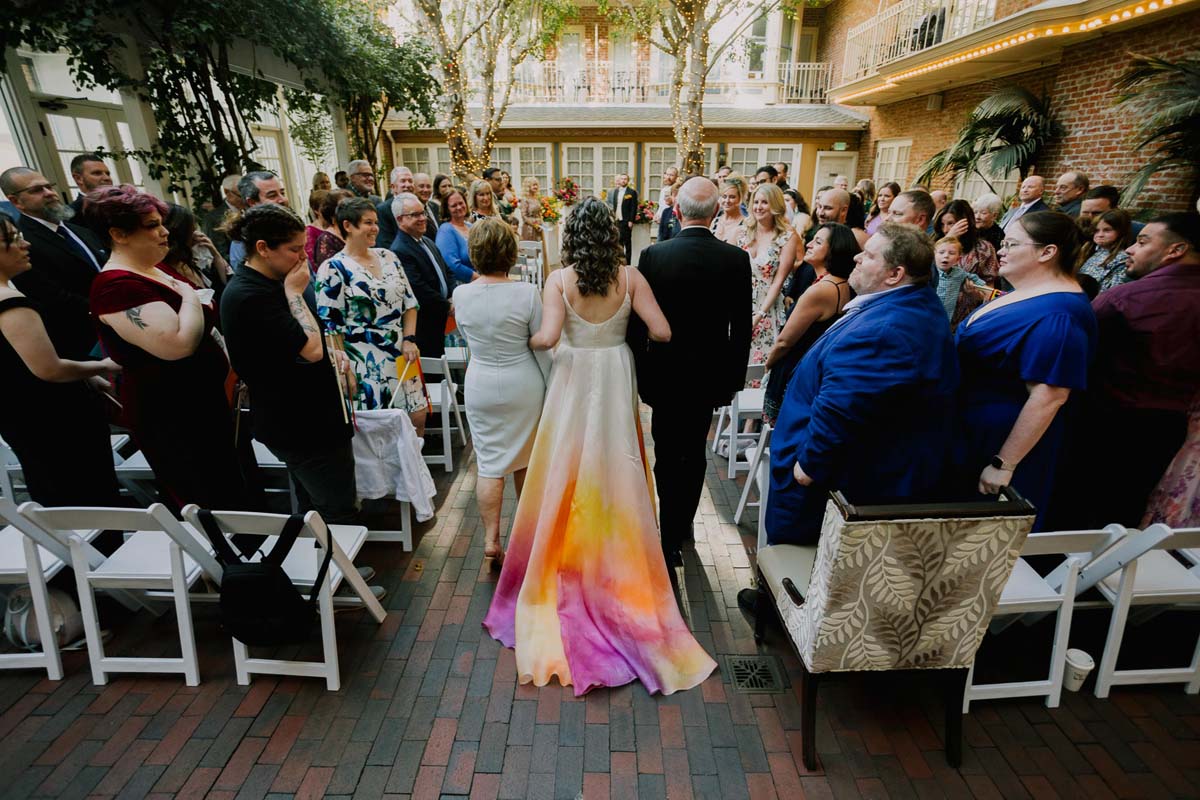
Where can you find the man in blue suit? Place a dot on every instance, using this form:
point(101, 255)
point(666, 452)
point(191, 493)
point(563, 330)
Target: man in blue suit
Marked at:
point(868, 411)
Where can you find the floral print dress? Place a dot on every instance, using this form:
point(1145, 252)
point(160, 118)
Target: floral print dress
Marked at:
point(368, 314)
point(763, 267)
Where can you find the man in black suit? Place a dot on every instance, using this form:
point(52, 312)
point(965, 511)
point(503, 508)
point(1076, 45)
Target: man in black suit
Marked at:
point(430, 278)
point(1030, 195)
point(64, 260)
point(401, 182)
point(703, 287)
point(624, 202)
point(89, 172)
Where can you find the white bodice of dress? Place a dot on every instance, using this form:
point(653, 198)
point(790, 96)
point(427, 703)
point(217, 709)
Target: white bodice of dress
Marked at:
point(581, 334)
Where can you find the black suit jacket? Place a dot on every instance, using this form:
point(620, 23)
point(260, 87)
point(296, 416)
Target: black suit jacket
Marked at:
point(629, 203)
point(703, 287)
point(431, 317)
point(387, 223)
point(60, 280)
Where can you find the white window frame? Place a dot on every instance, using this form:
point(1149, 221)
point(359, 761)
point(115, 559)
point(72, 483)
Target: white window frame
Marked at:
point(892, 161)
point(513, 167)
point(971, 187)
point(762, 158)
point(601, 181)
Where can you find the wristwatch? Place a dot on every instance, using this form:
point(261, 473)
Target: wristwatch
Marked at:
point(999, 463)
point(412, 339)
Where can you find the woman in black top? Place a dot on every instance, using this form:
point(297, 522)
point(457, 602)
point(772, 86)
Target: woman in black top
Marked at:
point(49, 416)
point(269, 316)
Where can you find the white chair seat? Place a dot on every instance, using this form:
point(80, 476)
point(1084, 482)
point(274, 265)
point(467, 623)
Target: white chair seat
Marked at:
point(457, 357)
point(1159, 579)
point(1027, 591)
point(144, 556)
point(750, 400)
point(781, 561)
point(303, 561)
point(12, 557)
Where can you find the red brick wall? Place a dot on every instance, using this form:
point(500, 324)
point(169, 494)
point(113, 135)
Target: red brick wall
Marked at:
point(1006, 8)
point(837, 20)
point(1099, 138)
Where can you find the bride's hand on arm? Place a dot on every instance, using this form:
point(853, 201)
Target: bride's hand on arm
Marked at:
point(646, 307)
point(554, 314)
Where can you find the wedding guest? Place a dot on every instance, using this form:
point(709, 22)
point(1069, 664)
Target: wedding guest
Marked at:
point(51, 409)
point(530, 209)
point(730, 224)
point(798, 213)
point(987, 208)
point(668, 222)
point(315, 224)
point(1176, 499)
point(954, 284)
point(957, 219)
point(192, 254)
point(452, 237)
point(255, 188)
point(623, 200)
point(506, 384)
point(1021, 356)
point(362, 180)
point(856, 217)
point(152, 323)
point(430, 278)
point(772, 247)
point(1069, 190)
point(329, 241)
point(842, 182)
point(321, 182)
point(781, 178)
point(914, 207)
point(868, 409)
point(341, 179)
point(64, 258)
point(507, 195)
point(423, 189)
point(939, 198)
point(400, 181)
point(832, 206)
point(363, 295)
point(879, 209)
point(269, 315)
point(90, 172)
point(1148, 368)
point(481, 200)
point(866, 190)
point(1103, 259)
point(830, 255)
point(441, 187)
point(1030, 194)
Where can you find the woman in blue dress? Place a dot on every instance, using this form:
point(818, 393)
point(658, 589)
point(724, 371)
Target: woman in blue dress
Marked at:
point(1021, 357)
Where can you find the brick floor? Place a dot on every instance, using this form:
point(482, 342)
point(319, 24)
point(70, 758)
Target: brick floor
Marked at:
point(429, 707)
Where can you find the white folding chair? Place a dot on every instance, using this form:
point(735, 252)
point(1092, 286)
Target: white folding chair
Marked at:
point(747, 405)
point(760, 461)
point(301, 565)
point(1149, 575)
point(443, 400)
point(23, 561)
point(1027, 591)
point(149, 559)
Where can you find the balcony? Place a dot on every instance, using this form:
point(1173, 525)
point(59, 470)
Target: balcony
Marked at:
point(910, 27)
point(601, 83)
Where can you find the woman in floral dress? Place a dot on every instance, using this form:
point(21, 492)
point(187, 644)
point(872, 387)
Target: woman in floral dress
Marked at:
point(772, 248)
point(364, 296)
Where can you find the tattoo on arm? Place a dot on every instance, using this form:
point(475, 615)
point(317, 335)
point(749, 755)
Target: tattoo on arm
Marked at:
point(134, 315)
point(300, 313)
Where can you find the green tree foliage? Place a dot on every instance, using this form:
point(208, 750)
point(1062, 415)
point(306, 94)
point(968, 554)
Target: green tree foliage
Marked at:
point(177, 57)
point(1008, 130)
point(1164, 96)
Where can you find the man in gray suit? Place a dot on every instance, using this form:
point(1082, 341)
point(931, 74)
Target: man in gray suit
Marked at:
point(1030, 193)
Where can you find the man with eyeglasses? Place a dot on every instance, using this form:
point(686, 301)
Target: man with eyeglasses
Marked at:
point(362, 180)
point(64, 260)
point(255, 189)
point(430, 278)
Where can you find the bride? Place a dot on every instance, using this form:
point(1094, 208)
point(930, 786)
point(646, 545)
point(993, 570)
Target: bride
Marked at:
point(584, 592)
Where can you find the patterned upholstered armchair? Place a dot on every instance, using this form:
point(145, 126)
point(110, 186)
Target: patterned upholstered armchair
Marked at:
point(897, 587)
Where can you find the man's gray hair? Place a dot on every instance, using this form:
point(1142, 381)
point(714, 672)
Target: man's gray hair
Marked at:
point(230, 182)
point(697, 199)
point(399, 200)
point(248, 184)
point(989, 201)
point(397, 172)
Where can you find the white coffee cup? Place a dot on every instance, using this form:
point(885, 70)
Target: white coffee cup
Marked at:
point(1079, 665)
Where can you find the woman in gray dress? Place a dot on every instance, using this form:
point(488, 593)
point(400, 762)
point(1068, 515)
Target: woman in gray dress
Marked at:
point(506, 381)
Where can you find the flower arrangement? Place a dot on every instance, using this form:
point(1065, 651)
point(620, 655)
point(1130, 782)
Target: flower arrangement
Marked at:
point(645, 211)
point(567, 191)
point(551, 209)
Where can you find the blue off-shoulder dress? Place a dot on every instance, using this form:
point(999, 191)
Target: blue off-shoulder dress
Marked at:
point(1051, 339)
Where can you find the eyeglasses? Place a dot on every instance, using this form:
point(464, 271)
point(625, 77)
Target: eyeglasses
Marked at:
point(413, 214)
point(38, 187)
point(362, 174)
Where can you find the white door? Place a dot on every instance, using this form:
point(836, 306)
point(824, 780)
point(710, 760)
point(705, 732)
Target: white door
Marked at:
point(75, 129)
point(830, 164)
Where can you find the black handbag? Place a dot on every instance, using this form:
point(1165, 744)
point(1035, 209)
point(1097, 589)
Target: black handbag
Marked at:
point(259, 603)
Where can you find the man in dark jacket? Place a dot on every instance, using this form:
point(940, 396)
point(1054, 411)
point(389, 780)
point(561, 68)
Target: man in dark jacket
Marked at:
point(430, 278)
point(703, 287)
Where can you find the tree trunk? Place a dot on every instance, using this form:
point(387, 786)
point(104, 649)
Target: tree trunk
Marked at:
point(692, 141)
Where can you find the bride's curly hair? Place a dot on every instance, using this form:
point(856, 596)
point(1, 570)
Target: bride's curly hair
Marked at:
point(592, 245)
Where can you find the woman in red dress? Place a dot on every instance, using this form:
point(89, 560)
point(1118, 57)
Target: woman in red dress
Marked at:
point(159, 328)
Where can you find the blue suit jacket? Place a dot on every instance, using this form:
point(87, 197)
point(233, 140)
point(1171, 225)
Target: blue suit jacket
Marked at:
point(868, 411)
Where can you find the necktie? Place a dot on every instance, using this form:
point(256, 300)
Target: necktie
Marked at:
point(75, 246)
point(437, 270)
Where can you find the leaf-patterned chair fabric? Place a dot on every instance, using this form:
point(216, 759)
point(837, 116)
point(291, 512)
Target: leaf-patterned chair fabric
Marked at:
point(901, 594)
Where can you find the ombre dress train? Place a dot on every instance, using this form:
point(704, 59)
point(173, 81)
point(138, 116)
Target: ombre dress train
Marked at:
point(584, 593)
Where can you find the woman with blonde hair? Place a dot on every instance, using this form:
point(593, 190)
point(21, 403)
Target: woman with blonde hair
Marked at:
point(481, 199)
point(769, 240)
point(730, 223)
point(530, 206)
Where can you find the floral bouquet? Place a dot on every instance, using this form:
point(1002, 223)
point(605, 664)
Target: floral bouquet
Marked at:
point(551, 209)
point(567, 191)
point(645, 211)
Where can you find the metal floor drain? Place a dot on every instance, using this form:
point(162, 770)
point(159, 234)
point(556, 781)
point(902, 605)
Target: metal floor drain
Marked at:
point(755, 674)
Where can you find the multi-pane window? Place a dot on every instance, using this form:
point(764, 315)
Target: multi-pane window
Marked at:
point(415, 158)
point(533, 162)
point(969, 187)
point(891, 161)
point(595, 167)
point(615, 160)
point(658, 158)
point(743, 160)
point(581, 167)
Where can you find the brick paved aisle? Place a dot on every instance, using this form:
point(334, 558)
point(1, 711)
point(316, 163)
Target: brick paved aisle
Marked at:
point(429, 708)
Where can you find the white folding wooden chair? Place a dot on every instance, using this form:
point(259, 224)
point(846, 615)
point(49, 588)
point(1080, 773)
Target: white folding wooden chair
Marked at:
point(137, 478)
point(443, 400)
point(150, 558)
point(1149, 575)
point(760, 463)
point(747, 405)
point(1027, 591)
point(301, 565)
point(23, 561)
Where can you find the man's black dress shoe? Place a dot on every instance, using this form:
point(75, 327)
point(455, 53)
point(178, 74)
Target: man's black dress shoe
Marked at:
point(674, 558)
